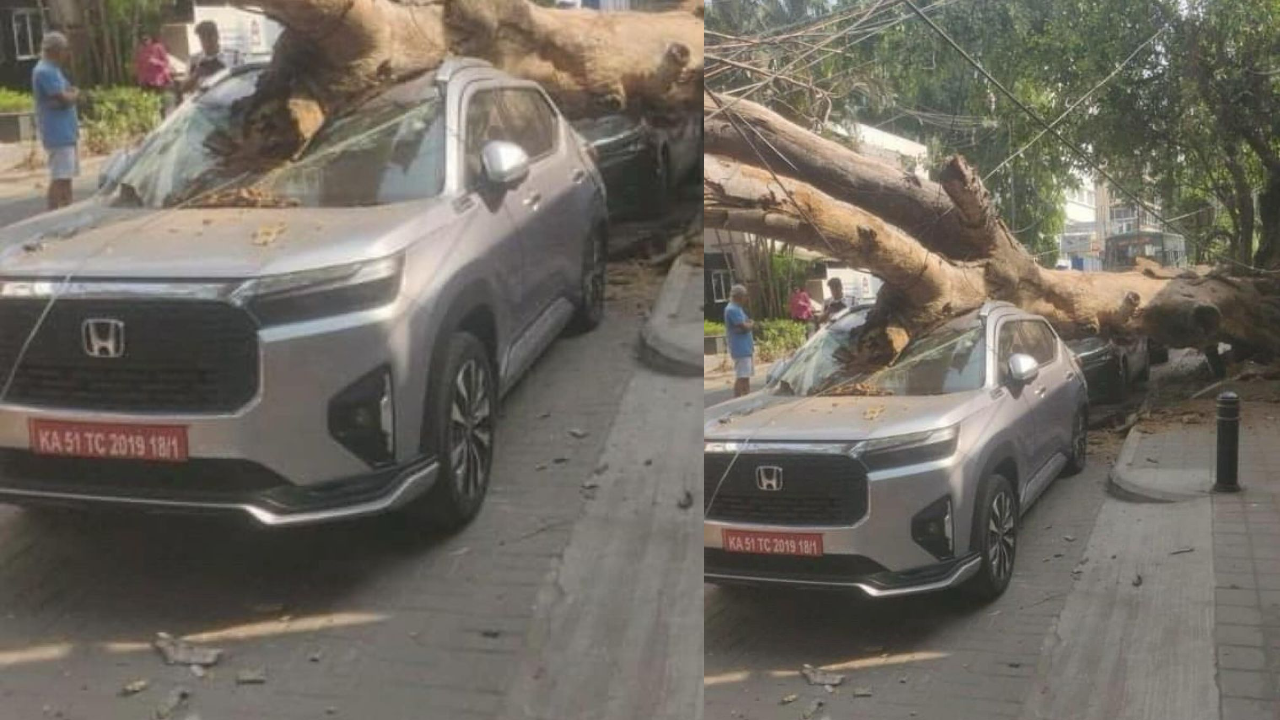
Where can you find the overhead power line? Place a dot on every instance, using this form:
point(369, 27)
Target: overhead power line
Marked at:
point(1082, 155)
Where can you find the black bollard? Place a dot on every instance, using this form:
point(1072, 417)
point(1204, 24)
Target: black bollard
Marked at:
point(1228, 443)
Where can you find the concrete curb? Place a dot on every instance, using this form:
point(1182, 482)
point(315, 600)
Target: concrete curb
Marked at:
point(662, 346)
point(1124, 484)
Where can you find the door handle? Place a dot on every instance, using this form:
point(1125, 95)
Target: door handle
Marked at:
point(532, 201)
point(578, 176)
point(1071, 375)
point(1040, 391)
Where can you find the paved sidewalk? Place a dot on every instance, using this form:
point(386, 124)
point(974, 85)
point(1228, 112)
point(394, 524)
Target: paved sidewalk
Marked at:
point(1174, 460)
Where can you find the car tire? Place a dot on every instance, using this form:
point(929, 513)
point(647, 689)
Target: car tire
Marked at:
point(995, 533)
point(595, 275)
point(1078, 453)
point(463, 411)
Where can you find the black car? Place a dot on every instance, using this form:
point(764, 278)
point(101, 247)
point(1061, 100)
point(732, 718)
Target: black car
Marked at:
point(643, 161)
point(1112, 367)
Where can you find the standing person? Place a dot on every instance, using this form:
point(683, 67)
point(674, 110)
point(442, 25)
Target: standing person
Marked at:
point(802, 308)
point(741, 343)
point(151, 65)
point(211, 59)
point(56, 116)
point(836, 302)
point(151, 68)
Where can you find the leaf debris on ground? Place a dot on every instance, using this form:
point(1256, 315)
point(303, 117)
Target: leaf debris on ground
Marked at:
point(686, 501)
point(788, 699)
point(862, 692)
point(813, 709)
point(818, 676)
point(252, 676)
point(1183, 551)
point(176, 698)
point(180, 652)
point(579, 434)
point(1137, 580)
point(135, 687)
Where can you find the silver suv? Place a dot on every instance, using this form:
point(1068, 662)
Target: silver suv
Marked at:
point(904, 480)
point(319, 341)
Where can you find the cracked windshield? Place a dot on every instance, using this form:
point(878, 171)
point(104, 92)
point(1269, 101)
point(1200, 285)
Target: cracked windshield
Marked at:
point(345, 362)
point(990, 374)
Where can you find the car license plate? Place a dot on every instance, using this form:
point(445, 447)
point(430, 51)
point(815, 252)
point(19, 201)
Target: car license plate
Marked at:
point(117, 442)
point(771, 543)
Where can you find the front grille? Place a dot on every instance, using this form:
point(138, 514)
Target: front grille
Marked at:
point(815, 489)
point(179, 356)
point(197, 479)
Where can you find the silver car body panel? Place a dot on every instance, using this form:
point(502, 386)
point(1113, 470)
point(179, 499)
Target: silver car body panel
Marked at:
point(521, 261)
point(996, 424)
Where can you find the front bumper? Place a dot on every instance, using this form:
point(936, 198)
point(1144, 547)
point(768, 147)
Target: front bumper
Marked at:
point(724, 568)
point(876, 554)
point(283, 505)
point(273, 459)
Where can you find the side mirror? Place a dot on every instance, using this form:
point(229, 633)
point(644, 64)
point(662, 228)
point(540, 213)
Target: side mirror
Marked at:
point(1023, 368)
point(504, 163)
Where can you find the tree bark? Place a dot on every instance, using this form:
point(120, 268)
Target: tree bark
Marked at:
point(333, 52)
point(927, 284)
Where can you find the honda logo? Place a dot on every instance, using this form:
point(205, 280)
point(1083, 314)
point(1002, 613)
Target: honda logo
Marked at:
point(769, 477)
point(103, 338)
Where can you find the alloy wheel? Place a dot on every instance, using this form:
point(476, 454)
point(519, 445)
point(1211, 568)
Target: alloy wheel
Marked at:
point(1001, 535)
point(471, 431)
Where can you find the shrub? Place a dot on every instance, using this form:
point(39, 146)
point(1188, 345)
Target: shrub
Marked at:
point(112, 118)
point(775, 339)
point(711, 327)
point(13, 101)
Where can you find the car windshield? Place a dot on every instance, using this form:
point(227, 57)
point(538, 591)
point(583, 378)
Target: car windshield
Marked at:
point(389, 150)
point(948, 359)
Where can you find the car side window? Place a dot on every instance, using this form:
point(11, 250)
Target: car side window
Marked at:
point(1012, 341)
point(484, 125)
point(531, 121)
point(1040, 342)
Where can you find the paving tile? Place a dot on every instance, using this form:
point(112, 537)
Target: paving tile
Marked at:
point(1246, 597)
point(1235, 657)
point(1244, 709)
point(1246, 684)
point(1235, 615)
point(1238, 635)
point(1237, 580)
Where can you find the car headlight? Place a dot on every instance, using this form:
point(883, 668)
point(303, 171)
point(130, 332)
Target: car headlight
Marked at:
point(911, 449)
point(311, 294)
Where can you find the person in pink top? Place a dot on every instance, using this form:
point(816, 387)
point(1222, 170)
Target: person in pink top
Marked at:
point(151, 64)
point(802, 308)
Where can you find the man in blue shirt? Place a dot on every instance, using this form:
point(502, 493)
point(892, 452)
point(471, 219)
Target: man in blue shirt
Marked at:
point(738, 327)
point(56, 116)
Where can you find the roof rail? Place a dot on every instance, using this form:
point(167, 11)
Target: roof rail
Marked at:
point(990, 305)
point(454, 64)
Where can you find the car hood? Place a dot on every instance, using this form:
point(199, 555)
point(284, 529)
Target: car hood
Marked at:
point(92, 240)
point(763, 416)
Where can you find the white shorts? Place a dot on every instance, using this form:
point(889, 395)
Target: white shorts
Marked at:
point(64, 163)
point(743, 368)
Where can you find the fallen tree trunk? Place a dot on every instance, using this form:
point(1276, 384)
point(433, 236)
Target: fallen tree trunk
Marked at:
point(838, 202)
point(334, 52)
